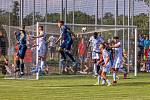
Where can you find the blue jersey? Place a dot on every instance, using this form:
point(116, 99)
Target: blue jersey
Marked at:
point(22, 41)
point(64, 31)
point(146, 43)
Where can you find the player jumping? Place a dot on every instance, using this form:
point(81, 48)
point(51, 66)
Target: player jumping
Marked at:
point(118, 57)
point(95, 41)
point(65, 47)
point(21, 37)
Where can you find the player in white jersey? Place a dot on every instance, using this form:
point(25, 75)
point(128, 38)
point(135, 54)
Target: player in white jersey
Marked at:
point(42, 46)
point(117, 58)
point(95, 41)
point(106, 64)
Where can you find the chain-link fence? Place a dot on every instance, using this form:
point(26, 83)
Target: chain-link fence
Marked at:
point(96, 12)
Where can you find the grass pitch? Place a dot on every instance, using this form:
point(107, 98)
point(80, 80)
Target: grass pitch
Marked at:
point(75, 88)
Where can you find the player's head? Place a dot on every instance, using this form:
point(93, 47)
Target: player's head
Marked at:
point(95, 35)
point(116, 39)
point(60, 23)
point(40, 28)
point(102, 46)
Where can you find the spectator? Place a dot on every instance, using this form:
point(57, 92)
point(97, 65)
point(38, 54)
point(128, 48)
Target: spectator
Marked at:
point(141, 46)
point(146, 46)
point(52, 41)
point(82, 51)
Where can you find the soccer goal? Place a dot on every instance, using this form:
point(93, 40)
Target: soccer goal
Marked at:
point(53, 63)
point(127, 35)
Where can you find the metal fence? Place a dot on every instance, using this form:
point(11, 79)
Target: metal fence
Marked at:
point(96, 12)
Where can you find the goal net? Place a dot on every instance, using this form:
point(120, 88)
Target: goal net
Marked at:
point(53, 64)
point(126, 34)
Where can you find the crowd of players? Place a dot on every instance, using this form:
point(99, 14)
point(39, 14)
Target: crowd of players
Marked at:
point(107, 57)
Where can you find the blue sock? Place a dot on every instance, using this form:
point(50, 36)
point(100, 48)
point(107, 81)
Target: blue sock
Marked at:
point(114, 76)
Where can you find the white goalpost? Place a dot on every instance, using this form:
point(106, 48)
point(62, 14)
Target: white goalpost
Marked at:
point(51, 28)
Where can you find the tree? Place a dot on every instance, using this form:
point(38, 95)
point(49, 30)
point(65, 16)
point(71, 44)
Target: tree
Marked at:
point(28, 20)
point(15, 14)
point(108, 19)
point(53, 17)
point(147, 2)
point(141, 21)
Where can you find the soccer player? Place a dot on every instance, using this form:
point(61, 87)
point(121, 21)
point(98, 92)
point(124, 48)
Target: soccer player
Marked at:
point(21, 37)
point(117, 57)
point(51, 42)
point(65, 47)
point(95, 41)
point(106, 64)
point(42, 46)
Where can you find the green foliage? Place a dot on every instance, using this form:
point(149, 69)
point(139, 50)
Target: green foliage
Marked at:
point(147, 2)
point(140, 20)
point(15, 14)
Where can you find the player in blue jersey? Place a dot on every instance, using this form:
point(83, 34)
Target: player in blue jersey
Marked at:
point(21, 37)
point(67, 41)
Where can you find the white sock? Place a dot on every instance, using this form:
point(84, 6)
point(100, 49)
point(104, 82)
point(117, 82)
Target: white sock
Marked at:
point(108, 81)
point(42, 65)
point(103, 81)
point(95, 69)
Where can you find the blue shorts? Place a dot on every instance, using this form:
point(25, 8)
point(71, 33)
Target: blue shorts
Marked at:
point(66, 45)
point(22, 51)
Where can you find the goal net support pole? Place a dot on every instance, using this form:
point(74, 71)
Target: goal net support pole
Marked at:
point(37, 60)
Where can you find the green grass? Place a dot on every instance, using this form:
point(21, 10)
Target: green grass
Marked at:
point(75, 88)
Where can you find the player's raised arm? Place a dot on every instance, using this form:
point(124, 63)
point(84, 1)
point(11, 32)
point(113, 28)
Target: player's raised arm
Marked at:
point(41, 34)
point(60, 37)
point(117, 45)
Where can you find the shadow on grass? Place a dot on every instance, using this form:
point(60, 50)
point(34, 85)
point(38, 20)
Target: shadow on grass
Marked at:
point(69, 86)
point(90, 85)
point(133, 84)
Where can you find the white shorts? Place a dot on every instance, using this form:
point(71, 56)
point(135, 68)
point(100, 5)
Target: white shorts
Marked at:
point(95, 55)
point(42, 50)
point(117, 63)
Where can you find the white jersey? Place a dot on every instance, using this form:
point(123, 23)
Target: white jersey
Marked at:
point(105, 55)
point(95, 43)
point(52, 40)
point(42, 40)
point(118, 51)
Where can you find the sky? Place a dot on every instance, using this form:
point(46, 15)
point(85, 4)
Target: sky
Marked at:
point(87, 6)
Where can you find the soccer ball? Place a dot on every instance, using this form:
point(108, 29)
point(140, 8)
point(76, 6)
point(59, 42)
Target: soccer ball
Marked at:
point(84, 29)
